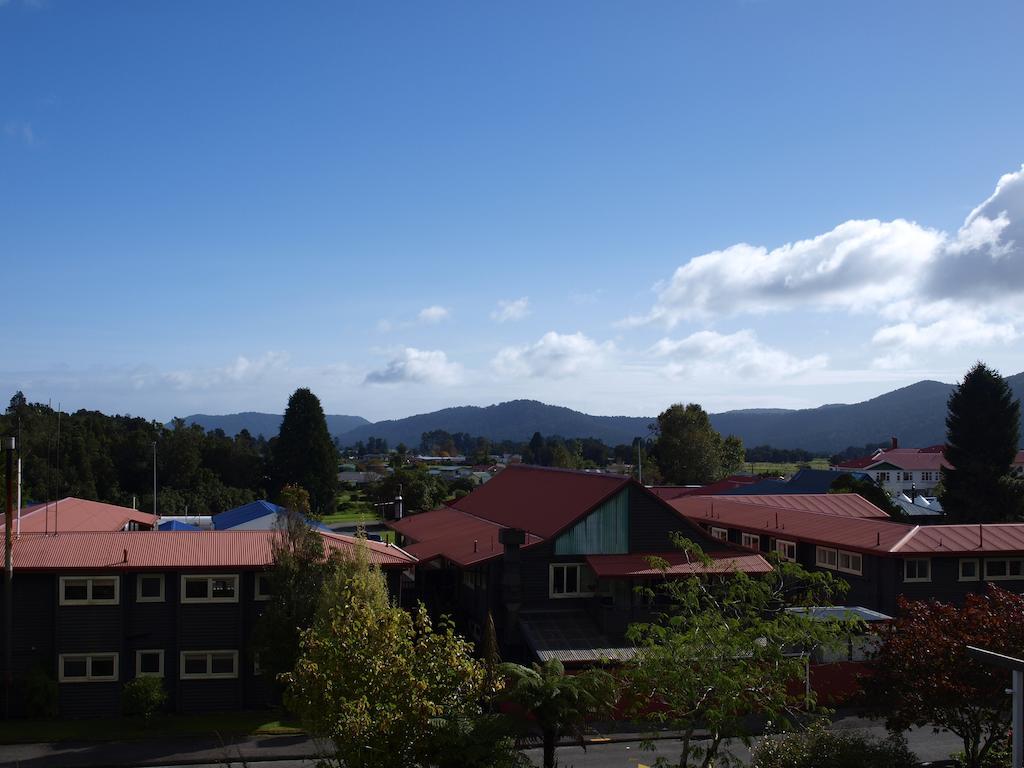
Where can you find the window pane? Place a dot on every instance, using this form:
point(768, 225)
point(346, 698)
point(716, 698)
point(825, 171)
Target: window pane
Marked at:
point(559, 579)
point(76, 666)
point(102, 666)
point(196, 588)
point(77, 589)
point(968, 569)
point(263, 585)
point(995, 568)
point(1015, 567)
point(149, 586)
point(195, 664)
point(149, 663)
point(103, 589)
point(223, 588)
point(572, 579)
point(223, 664)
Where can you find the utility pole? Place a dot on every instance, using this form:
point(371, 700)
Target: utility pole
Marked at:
point(9, 444)
point(154, 479)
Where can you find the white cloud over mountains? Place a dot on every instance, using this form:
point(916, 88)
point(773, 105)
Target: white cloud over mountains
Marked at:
point(930, 288)
point(554, 355)
point(738, 354)
point(427, 366)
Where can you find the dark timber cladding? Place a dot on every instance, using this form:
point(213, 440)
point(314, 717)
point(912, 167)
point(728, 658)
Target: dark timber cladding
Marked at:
point(95, 610)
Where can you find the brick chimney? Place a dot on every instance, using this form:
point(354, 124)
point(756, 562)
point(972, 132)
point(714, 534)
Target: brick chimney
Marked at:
point(894, 443)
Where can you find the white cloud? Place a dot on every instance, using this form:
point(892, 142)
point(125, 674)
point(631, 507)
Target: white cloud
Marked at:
point(433, 314)
point(738, 354)
point(509, 309)
point(241, 370)
point(555, 355)
point(417, 365)
point(958, 329)
point(936, 289)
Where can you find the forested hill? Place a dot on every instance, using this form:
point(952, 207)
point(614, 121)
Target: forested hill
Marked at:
point(915, 414)
point(514, 420)
point(266, 424)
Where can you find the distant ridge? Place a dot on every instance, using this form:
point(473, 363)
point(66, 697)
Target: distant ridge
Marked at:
point(915, 414)
point(266, 424)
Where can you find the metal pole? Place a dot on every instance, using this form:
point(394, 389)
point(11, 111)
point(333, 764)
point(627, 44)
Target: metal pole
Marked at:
point(1018, 725)
point(154, 478)
point(9, 445)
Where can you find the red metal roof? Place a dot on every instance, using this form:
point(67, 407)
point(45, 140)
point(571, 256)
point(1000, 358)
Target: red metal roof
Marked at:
point(839, 504)
point(675, 491)
point(457, 536)
point(540, 500)
point(73, 514)
point(904, 458)
point(142, 550)
point(875, 536)
point(638, 564)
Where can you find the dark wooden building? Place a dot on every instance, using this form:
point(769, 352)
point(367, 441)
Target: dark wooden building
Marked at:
point(95, 610)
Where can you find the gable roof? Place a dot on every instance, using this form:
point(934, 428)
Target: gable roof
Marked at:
point(930, 458)
point(540, 500)
point(152, 550)
point(72, 514)
point(455, 535)
point(246, 513)
point(638, 564)
point(722, 486)
point(838, 504)
point(870, 535)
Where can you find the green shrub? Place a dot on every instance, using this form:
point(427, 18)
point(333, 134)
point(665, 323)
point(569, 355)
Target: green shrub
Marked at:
point(818, 747)
point(143, 697)
point(40, 694)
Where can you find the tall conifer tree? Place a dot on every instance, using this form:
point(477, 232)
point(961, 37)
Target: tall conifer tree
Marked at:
point(304, 453)
point(983, 433)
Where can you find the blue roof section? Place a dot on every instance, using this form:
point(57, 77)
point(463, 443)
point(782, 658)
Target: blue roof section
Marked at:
point(176, 525)
point(804, 481)
point(254, 510)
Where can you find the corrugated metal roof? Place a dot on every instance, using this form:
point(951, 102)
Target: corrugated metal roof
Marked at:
point(638, 564)
point(73, 514)
point(455, 535)
point(540, 500)
point(571, 637)
point(874, 536)
point(730, 483)
point(931, 457)
point(140, 550)
point(246, 513)
point(839, 504)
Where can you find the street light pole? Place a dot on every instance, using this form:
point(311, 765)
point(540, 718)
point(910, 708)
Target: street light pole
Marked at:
point(9, 444)
point(154, 479)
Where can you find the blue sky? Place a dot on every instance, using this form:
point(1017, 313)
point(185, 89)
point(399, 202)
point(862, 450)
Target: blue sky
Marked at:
point(407, 206)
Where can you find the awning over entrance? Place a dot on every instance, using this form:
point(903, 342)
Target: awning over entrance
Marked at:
point(639, 565)
point(572, 637)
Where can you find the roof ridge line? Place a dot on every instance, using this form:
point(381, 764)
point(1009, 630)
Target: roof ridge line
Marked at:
point(906, 537)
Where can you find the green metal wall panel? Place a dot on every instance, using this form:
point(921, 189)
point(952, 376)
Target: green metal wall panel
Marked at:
point(605, 531)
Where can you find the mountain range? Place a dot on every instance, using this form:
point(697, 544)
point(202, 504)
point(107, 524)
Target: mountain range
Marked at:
point(915, 414)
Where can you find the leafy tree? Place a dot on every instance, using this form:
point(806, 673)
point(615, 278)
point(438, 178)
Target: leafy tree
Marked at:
point(294, 498)
point(534, 453)
point(377, 681)
point(558, 704)
point(420, 490)
point(688, 449)
point(923, 675)
point(304, 453)
point(818, 746)
point(983, 432)
point(846, 483)
point(722, 652)
point(300, 569)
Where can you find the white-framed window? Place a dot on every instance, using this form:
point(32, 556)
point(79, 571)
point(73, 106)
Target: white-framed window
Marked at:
point(851, 562)
point(569, 580)
point(751, 540)
point(786, 549)
point(149, 588)
point(90, 590)
point(263, 589)
point(825, 557)
point(719, 533)
point(87, 667)
point(882, 477)
point(908, 477)
point(917, 569)
point(926, 477)
point(149, 663)
point(970, 569)
point(218, 588)
point(208, 665)
point(997, 569)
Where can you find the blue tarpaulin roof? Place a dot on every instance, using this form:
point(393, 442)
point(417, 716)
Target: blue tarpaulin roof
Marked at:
point(176, 525)
point(254, 510)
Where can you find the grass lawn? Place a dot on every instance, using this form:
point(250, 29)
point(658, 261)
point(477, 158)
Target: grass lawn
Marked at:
point(782, 468)
point(352, 506)
point(131, 729)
